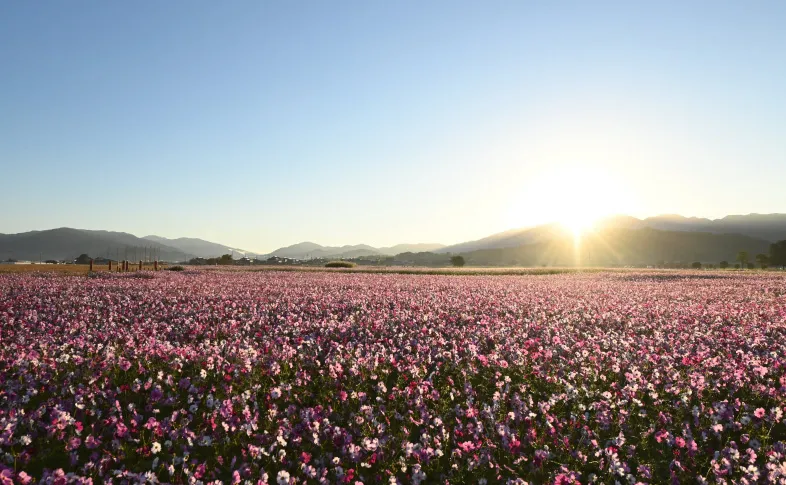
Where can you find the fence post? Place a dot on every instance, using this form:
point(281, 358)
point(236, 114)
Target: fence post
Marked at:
point(155, 265)
point(140, 265)
point(110, 265)
point(91, 265)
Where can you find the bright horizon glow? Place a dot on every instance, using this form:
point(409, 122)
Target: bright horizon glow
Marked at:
point(573, 196)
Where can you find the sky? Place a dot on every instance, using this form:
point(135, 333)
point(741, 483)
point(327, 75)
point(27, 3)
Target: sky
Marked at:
point(263, 124)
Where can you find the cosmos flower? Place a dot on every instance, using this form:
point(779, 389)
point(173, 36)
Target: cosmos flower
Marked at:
point(629, 377)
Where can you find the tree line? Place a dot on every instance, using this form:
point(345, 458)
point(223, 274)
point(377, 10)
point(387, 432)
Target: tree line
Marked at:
point(776, 258)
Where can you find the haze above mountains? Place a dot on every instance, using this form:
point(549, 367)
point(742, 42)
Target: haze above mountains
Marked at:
point(755, 230)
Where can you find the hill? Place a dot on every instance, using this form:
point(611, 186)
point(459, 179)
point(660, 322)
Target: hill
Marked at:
point(624, 247)
point(769, 227)
point(612, 246)
point(410, 248)
point(65, 244)
point(309, 250)
point(507, 239)
point(198, 247)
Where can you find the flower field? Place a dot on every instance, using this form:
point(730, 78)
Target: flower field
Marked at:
point(290, 377)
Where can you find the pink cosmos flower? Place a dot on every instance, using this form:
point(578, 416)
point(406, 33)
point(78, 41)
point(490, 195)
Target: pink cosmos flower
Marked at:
point(73, 444)
point(91, 442)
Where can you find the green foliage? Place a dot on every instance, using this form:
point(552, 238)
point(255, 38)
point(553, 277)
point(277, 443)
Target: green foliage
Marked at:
point(696, 265)
point(763, 260)
point(422, 259)
point(778, 254)
point(83, 259)
point(457, 261)
point(742, 257)
point(723, 264)
point(175, 268)
point(737, 266)
point(340, 264)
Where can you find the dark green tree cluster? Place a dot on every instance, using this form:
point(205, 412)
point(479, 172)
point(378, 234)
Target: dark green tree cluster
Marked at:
point(224, 260)
point(778, 254)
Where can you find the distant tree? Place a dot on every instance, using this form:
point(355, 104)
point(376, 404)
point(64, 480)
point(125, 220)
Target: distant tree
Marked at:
point(696, 265)
point(226, 259)
point(736, 265)
point(51, 261)
point(742, 257)
point(340, 264)
point(778, 254)
point(457, 261)
point(763, 260)
point(751, 266)
point(723, 264)
point(83, 259)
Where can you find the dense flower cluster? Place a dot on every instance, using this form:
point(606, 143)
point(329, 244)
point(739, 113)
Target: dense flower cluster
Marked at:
point(283, 378)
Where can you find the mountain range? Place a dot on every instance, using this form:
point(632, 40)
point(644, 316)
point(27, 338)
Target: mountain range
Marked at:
point(620, 238)
point(66, 243)
point(768, 227)
point(196, 247)
point(309, 250)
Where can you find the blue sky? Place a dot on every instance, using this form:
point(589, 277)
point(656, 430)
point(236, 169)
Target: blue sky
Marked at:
point(262, 124)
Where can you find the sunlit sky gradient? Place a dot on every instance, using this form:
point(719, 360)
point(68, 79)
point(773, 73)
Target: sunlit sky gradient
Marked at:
point(262, 124)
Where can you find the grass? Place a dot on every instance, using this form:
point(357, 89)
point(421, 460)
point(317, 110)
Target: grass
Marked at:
point(68, 269)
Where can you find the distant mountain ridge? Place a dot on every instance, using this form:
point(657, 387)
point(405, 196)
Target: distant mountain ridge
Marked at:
point(752, 232)
point(769, 227)
point(310, 250)
point(66, 243)
point(622, 247)
point(196, 247)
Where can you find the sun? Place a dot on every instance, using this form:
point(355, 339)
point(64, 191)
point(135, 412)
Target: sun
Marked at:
point(578, 223)
point(576, 198)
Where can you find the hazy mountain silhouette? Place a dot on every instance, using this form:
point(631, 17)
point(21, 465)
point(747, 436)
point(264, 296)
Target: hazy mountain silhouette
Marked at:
point(65, 244)
point(623, 247)
point(410, 248)
point(198, 247)
point(507, 239)
point(769, 227)
point(307, 250)
point(669, 237)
